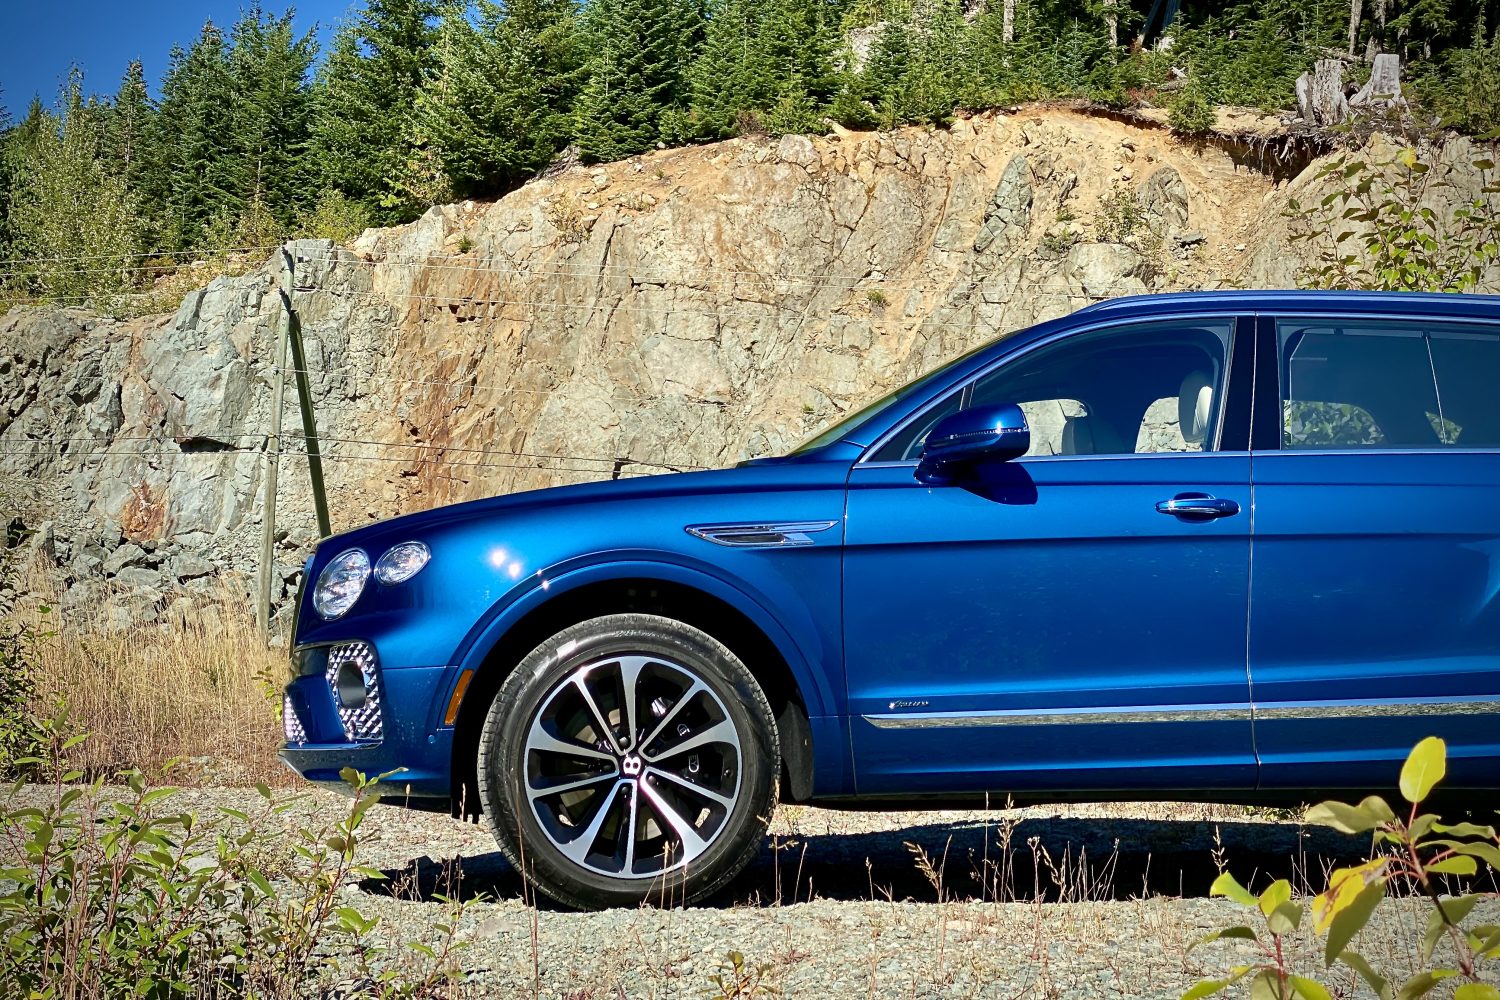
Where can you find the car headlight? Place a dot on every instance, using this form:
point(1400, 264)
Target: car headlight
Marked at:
point(402, 562)
point(341, 583)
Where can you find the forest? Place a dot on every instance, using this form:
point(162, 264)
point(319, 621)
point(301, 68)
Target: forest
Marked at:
point(253, 135)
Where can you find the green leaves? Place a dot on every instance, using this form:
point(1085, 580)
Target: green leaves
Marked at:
point(1226, 885)
point(1350, 918)
point(1369, 814)
point(1424, 768)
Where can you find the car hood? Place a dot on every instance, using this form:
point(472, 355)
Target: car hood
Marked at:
point(813, 470)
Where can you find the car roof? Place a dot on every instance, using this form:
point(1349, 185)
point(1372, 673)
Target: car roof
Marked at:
point(1274, 300)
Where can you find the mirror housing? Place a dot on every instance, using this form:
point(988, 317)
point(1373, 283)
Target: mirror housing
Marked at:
point(995, 433)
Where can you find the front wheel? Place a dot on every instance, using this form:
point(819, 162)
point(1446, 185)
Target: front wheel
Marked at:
point(629, 758)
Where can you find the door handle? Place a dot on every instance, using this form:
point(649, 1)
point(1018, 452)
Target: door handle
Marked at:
point(1198, 506)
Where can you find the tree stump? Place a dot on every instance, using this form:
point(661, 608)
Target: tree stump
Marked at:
point(1320, 97)
point(1384, 87)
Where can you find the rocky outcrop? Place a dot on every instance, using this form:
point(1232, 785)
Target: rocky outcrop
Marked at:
point(686, 308)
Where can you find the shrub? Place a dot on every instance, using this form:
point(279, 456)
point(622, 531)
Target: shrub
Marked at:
point(335, 217)
point(132, 897)
point(1384, 212)
point(1192, 113)
point(18, 730)
point(1465, 91)
point(1420, 851)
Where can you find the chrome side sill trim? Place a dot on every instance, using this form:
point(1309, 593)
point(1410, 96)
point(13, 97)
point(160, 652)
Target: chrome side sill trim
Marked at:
point(1385, 708)
point(1379, 708)
point(760, 536)
point(1064, 716)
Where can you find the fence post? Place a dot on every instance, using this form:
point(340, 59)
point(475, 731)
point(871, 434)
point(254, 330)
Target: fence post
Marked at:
point(304, 400)
point(268, 502)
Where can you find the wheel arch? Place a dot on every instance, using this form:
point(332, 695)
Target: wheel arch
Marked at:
point(706, 604)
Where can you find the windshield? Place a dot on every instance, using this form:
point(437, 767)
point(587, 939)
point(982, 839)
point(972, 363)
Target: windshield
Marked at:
point(847, 425)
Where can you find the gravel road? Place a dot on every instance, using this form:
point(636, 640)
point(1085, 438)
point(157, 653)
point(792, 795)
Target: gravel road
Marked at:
point(838, 904)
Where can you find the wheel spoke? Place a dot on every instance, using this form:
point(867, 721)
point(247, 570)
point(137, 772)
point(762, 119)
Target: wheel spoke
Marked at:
point(580, 682)
point(681, 703)
point(692, 844)
point(719, 732)
point(568, 786)
point(630, 823)
point(630, 672)
point(578, 848)
point(707, 793)
point(542, 740)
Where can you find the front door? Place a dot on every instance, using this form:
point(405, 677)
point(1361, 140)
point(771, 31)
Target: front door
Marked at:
point(1375, 611)
point(1046, 627)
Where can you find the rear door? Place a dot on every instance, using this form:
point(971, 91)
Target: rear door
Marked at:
point(1375, 589)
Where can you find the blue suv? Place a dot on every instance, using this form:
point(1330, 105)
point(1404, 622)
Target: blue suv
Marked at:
point(1232, 546)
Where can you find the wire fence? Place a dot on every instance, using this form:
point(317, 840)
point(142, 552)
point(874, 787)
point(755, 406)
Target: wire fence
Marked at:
point(529, 302)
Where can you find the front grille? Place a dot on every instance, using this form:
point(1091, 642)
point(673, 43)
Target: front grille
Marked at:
point(354, 682)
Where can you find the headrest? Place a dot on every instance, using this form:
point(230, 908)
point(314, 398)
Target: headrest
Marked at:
point(1195, 406)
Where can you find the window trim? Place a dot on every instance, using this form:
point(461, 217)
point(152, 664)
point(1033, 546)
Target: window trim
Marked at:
point(1268, 388)
point(1239, 319)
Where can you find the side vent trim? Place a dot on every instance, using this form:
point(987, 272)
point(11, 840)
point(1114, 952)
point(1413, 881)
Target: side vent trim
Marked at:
point(775, 535)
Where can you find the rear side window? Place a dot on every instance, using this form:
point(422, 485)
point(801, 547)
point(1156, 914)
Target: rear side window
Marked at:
point(1354, 384)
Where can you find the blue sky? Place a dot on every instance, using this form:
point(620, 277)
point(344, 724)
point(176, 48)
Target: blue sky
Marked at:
point(39, 39)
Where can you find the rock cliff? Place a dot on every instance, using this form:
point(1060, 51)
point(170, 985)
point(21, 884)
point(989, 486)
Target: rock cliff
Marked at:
point(685, 308)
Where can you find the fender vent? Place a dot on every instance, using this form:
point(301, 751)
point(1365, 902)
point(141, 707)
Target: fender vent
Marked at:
point(760, 536)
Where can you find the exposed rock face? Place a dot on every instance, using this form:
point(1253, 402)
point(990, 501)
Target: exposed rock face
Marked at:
point(686, 308)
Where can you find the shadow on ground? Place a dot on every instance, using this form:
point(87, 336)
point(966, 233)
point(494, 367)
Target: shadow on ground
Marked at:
point(1058, 859)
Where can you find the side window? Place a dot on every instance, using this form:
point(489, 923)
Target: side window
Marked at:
point(1388, 384)
point(1122, 391)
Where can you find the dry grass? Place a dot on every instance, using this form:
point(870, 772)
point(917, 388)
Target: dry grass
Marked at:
point(199, 688)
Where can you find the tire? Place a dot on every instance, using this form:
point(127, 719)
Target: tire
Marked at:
point(596, 812)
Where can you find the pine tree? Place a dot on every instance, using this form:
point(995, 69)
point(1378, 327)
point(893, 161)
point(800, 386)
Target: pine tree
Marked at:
point(130, 126)
point(760, 55)
point(368, 90)
point(497, 109)
point(6, 180)
point(196, 179)
point(271, 113)
point(641, 50)
point(70, 205)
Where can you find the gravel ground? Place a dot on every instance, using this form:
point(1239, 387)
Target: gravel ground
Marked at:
point(838, 904)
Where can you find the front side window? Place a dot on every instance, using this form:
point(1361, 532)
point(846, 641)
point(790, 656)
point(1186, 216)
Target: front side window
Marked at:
point(1357, 384)
point(1141, 389)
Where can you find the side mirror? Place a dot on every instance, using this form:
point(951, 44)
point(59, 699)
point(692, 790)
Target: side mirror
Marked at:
point(982, 434)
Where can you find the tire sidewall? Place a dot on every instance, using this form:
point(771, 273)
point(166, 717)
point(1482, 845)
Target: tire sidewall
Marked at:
point(502, 758)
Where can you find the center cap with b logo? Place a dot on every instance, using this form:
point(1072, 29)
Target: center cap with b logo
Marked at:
point(631, 765)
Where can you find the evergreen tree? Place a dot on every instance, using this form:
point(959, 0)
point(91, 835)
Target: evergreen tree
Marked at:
point(637, 74)
point(498, 107)
point(763, 56)
point(6, 180)
point(920, 67)
point(368, 90)
point(70, 206)
point(271, 114)
point(130, 126)
point(196, 179)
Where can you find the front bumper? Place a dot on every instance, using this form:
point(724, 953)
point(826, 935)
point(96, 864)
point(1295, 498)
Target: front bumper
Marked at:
point(331, 724)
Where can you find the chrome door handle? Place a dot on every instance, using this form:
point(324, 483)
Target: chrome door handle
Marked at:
point(1198, 506)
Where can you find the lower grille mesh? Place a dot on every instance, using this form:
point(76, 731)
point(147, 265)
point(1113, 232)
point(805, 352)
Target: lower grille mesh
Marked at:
point(359, 713)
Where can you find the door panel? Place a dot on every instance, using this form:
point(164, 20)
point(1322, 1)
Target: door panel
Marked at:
point(1375, 611)
point(1046, 628)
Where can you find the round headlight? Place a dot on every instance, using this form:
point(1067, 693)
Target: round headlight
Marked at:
point(341, 583)
point(401, 562)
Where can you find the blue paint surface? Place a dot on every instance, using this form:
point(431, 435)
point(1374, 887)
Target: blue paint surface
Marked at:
point(1039, 626)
